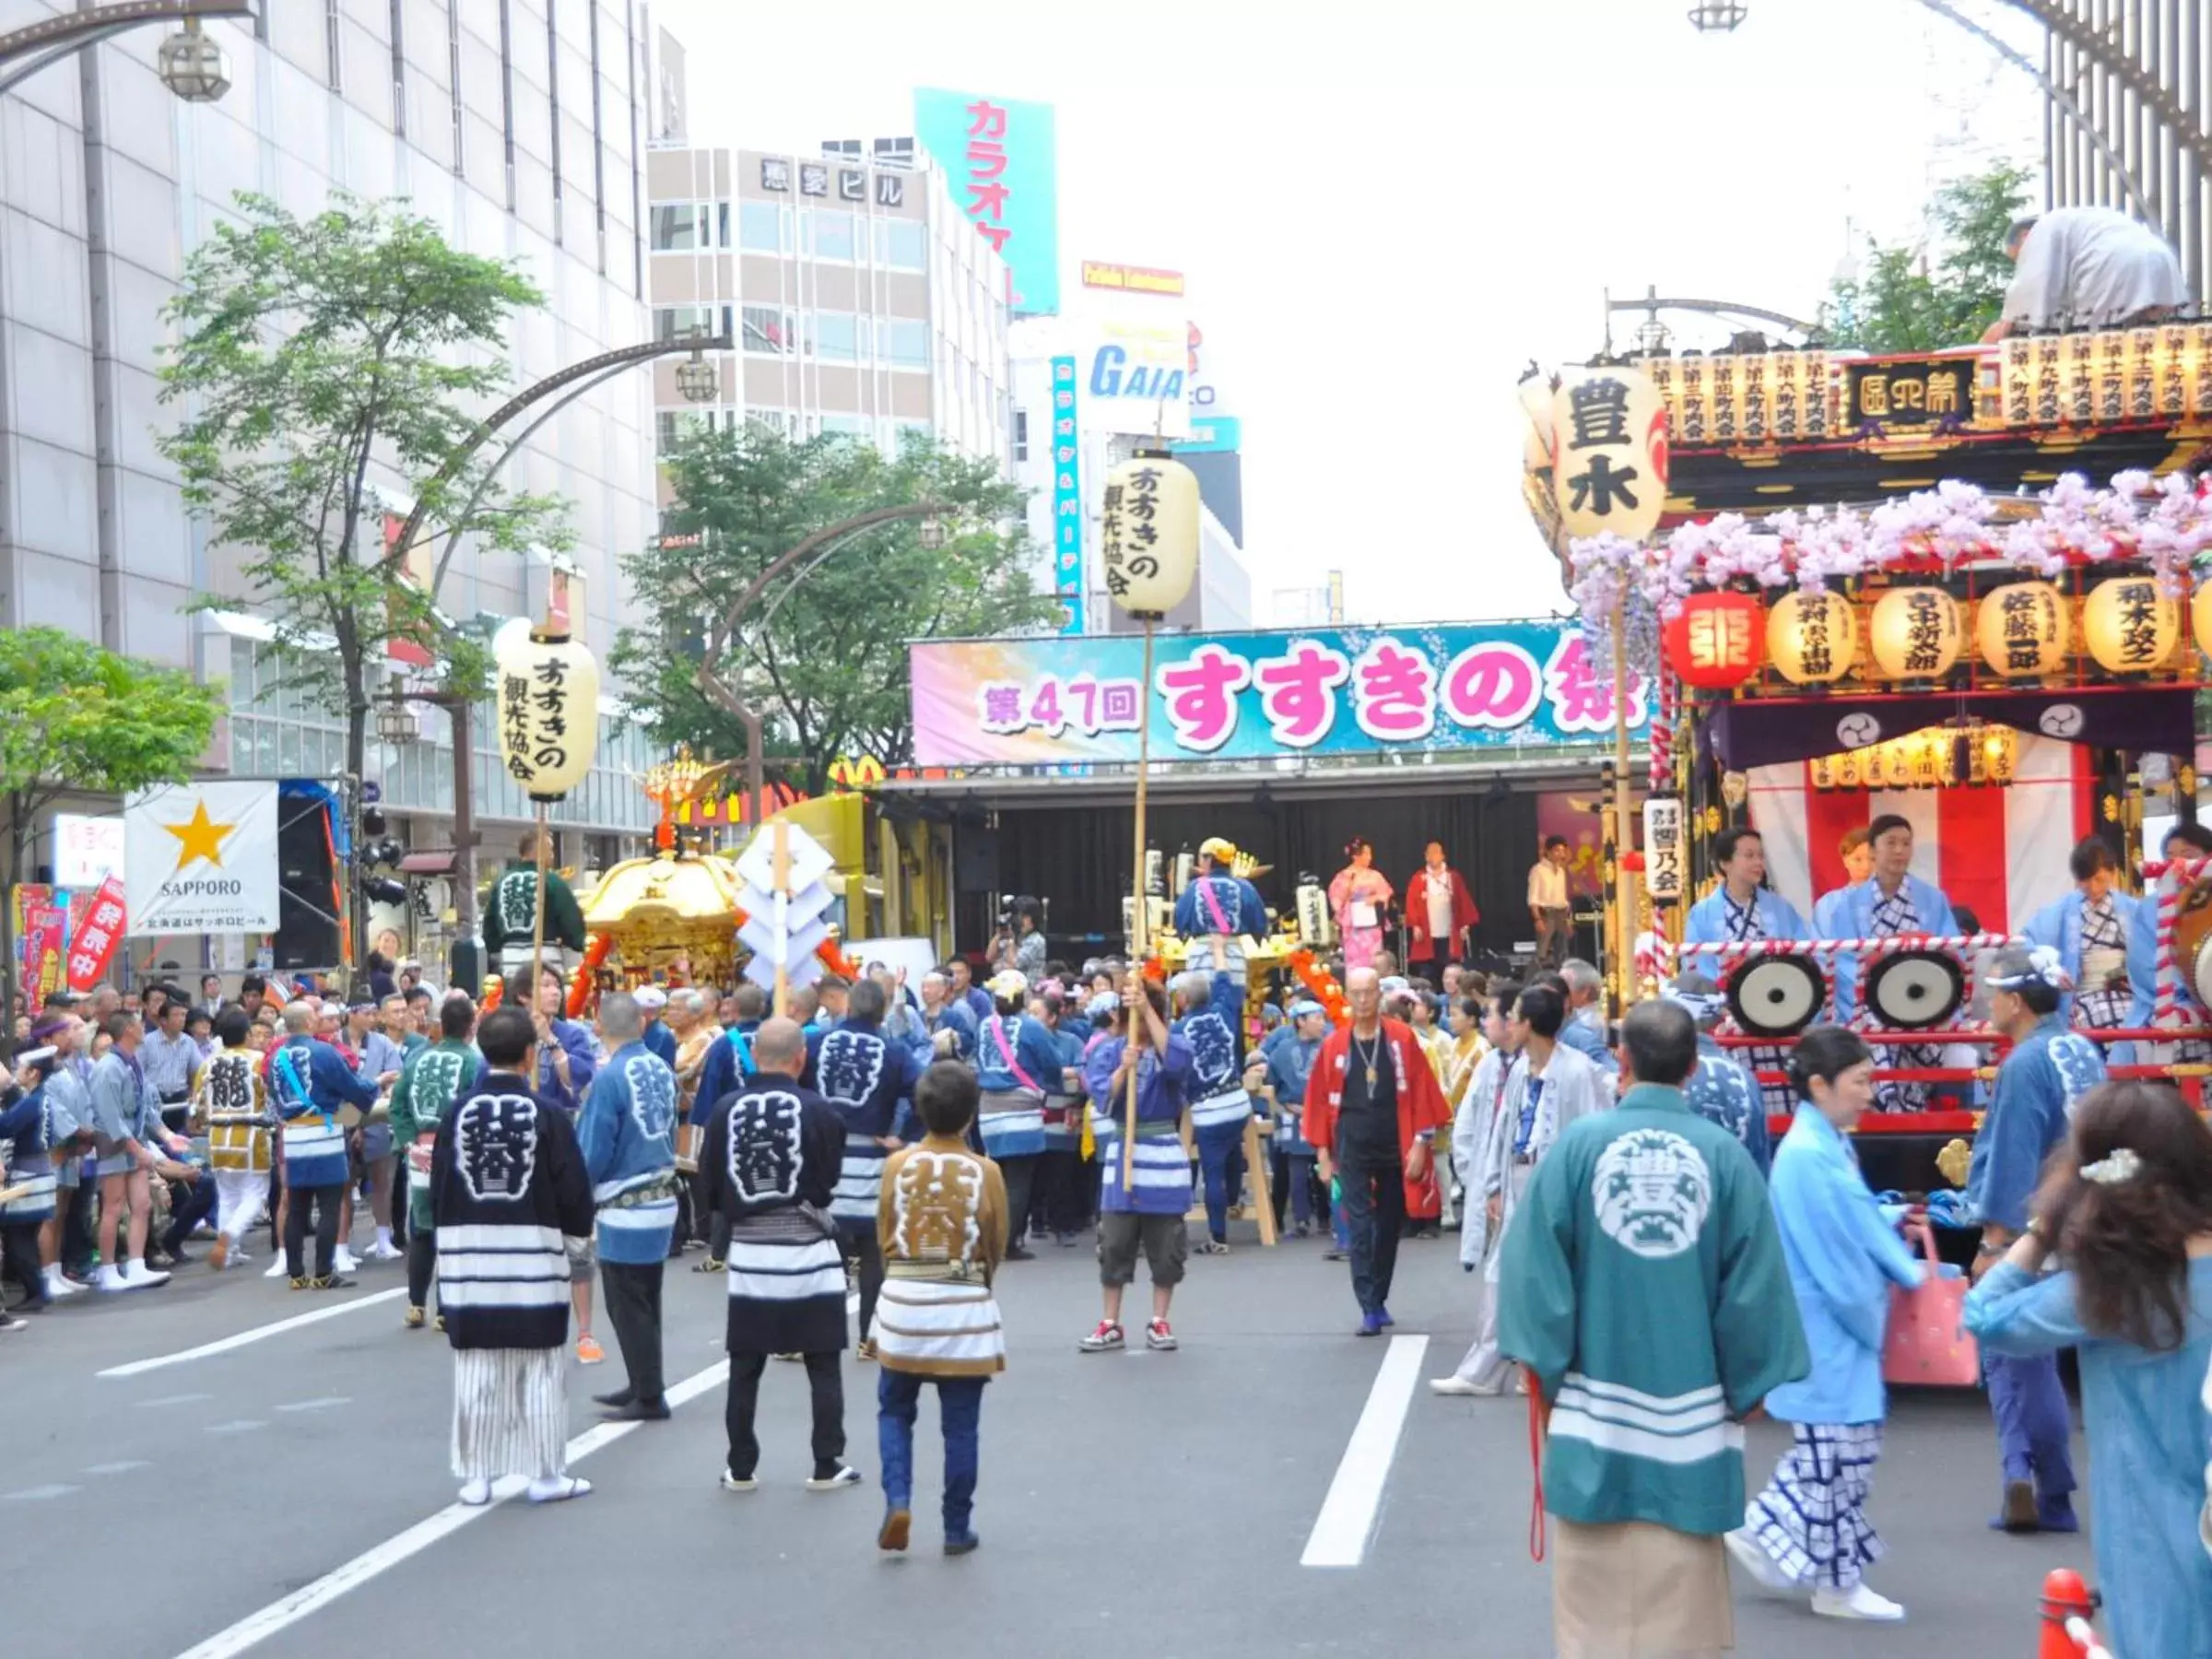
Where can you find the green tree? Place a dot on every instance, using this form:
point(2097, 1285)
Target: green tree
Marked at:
point(327, 366)
point(77, 719)
point(822, 658)
point(1944, 289)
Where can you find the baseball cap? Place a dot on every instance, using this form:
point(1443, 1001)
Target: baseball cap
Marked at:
point(651, 997)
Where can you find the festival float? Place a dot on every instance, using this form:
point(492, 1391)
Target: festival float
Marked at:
point(1890, 585)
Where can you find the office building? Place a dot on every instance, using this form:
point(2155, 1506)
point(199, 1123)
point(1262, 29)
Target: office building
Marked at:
point(857, 299)
point(517, 126)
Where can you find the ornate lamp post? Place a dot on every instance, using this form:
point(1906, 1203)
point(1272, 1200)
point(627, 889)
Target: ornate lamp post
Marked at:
point(191, 64)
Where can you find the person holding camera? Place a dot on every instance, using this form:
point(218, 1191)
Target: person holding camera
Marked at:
point(1019, 942)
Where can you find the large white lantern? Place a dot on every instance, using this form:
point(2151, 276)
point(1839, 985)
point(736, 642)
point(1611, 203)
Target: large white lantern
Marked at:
point(1609, 453)
point(548, 698)
point(1149, 533)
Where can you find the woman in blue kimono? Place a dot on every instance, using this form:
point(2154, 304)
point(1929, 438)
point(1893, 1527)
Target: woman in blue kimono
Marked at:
point(2127, 1214)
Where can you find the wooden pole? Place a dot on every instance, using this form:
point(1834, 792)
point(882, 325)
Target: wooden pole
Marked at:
point(1624, 827)
point(1139, 923)
point(537, 936)
point(781, 847)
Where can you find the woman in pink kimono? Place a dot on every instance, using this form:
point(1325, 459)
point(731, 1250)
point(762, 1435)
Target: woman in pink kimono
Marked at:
point(1357, 896)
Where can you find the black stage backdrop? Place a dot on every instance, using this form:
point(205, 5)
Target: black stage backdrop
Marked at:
point(1078, 857)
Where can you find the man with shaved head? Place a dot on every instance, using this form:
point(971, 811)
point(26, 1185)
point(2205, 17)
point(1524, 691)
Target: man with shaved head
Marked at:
point(770, 1163)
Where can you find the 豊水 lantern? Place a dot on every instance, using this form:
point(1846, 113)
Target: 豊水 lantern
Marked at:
point(1813, 639)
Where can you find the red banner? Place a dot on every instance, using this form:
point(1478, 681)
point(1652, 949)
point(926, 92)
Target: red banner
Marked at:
point(93, 945)
point(44, 940)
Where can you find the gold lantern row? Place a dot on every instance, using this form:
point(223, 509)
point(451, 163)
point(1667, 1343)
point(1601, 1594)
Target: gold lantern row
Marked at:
point(2024, 630)
point(1934, 757)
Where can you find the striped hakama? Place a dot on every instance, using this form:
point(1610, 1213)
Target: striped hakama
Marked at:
point(786, 1284)
point(1811, 1520)
point(511, 1413)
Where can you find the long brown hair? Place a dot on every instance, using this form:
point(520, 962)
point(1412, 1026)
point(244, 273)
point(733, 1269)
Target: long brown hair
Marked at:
point(2127, 1242)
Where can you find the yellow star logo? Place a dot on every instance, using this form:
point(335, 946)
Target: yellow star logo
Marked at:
point(200, 838)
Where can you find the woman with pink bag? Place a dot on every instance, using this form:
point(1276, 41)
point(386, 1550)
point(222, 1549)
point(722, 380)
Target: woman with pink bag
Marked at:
point(1808, 1530)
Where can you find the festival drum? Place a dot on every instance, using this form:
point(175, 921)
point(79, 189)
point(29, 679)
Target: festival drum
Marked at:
point(2193, 938)
point(1777, 995)
point(1915, 990)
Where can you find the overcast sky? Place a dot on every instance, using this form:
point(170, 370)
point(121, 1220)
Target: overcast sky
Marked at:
point(1385, 207)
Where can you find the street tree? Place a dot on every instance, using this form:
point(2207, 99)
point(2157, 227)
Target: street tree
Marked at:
point(327, 370)
point(822, 655)
point(76, 719)
point(1943, 288)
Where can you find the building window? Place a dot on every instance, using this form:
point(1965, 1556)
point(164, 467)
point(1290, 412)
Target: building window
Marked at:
point(332, 38)
point(783, 421)
point(679, 322)
point(766, 330)
point(833, 336)
point(763, 228)
point(681, 229)
point(1021, 434)
point(829, 236)
point(902, 244)
point(453, 71)
point(848, 426)
point(905, 345)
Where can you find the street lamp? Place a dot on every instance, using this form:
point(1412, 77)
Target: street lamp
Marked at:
point(1717, 16)
point(932, 535)
point(396, 725)
point(194, 65)
point(698, 380)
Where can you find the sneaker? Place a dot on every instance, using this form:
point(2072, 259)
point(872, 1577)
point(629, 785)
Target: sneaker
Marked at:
point(382, 1252)
point(1458, 1387)
point(557, 1488)
point(961, 1543)
point(59, 1285)
point(897, 1528)
point(710, 1264)
point(843, 1476)
point(1858, 1603)
point(1332, 1255)
point(2019, 1513)
point(438, 1324)
point(864, 1350)
point(138, 1276)
point(414, 1319)
point(302, 1282)
point(1370, 1324)
point(8, 1322)
point(1108, 1339)
point(731, 1483)
point(1210, 1247)
point(588, 1352)
point(218, 1253)
point(1752, 1556)
point(1383, 1314)
point(109, 1279)
point(1304, 1230)
point(332, 1281)
point(1158, 1335)
point(343, 1261)
point(476, 1493)
point(277, 1268)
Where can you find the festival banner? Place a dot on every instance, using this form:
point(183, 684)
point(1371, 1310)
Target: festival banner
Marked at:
point(93, 945)
point(1252, 696)
point(44, 939)
point(201, 858)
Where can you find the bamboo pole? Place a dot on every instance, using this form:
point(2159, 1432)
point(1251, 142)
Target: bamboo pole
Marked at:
point(1624, 827)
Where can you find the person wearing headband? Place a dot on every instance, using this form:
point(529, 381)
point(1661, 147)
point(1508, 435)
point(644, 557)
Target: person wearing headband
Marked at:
point(2126, 1214)
point(1216, 913)
point(2040, 1083)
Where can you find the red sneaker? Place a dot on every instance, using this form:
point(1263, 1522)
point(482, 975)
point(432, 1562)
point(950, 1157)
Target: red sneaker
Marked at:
point(1158, 1335)
point(1108, 1339)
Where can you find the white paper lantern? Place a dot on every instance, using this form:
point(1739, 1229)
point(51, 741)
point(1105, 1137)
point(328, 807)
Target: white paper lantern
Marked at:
point(548, 703)
point(1149, 533)
point(1609, 453)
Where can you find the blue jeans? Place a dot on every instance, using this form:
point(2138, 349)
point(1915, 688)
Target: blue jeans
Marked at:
point(2034, 1425)
point(1221, 1163)
point(960, 1405)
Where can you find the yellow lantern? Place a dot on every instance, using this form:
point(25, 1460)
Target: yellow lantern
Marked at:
point(2200, 618)
point(1149, 533)
point(2023, 630)
point(1915, 633)
point(2130, 624)
point(1609, 453)
point(1812, 639)
point(548, 694)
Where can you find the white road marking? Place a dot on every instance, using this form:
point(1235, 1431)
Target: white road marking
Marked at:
point(243, 1426)
point(185, 1399)
point(258, 1334)
point(35, 1494)
point(1346, 1520)
point(119, 1468)
point(257, 1627)
point(322, 1404)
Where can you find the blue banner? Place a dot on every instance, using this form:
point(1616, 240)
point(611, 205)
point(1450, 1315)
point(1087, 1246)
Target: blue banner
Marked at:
point(1068, 494)
point(1000, 162)
point(1246, 696)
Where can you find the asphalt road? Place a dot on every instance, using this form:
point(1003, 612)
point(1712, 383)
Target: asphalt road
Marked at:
point(1139, 1504)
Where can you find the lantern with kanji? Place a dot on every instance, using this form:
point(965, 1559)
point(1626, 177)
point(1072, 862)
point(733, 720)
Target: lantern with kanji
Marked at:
point(1713, 642)
point(548, 701)
point(2200, 618)
point(1149, 533)
point(1609, 453)
point(1813, 638)
point(2023, 630)
point(2129, 624)
point(1915, 633)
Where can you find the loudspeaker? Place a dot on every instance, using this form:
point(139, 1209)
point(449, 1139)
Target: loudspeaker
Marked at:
point(306, 935)
point(975, 860)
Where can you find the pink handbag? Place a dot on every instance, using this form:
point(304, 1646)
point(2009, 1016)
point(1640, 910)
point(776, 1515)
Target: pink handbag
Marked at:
point(1926, 1342)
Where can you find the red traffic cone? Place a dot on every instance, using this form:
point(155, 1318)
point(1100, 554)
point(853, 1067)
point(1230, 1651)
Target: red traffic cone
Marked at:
point(2065, 1597)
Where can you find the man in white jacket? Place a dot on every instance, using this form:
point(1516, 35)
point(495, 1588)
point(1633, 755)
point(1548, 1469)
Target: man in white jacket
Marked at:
point(1538, 1087)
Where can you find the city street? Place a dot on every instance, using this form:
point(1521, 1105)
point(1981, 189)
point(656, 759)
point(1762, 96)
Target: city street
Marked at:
point(283, 1491)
